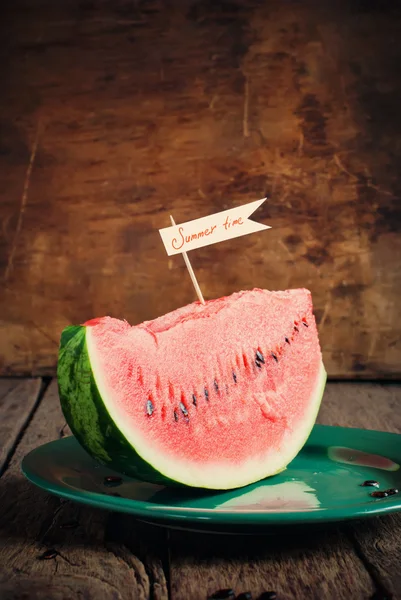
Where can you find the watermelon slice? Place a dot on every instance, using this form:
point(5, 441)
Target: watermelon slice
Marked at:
point(217, 396)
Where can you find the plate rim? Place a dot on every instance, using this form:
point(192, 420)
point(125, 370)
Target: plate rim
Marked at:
point(144, 509)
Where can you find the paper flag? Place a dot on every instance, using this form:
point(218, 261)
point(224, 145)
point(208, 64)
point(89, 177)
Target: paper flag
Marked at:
point(214, 228)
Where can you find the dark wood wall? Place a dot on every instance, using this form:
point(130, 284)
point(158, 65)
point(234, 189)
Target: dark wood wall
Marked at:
point(115, 114)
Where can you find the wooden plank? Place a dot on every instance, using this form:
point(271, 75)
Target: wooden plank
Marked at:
point(89, 561)
point(314, 563)
point(54, 587)
point(116, 114)
point(365, 405)
point(373, 406)
point(18, 399)
point(7, 384)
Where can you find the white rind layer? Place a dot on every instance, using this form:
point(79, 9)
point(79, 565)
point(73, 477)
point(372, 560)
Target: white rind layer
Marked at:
point(221, 475)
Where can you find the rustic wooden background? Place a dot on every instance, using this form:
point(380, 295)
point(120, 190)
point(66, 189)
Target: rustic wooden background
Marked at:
point(114, 114)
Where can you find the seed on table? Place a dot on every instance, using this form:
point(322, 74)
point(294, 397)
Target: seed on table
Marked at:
point(48, 554)
point(112, 481)
point(268, 596)
point(225, 594)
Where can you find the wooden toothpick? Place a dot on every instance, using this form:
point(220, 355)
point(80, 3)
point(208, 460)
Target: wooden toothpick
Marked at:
point(191, 271)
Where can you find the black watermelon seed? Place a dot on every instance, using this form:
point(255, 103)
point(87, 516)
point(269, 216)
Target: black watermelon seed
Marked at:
point(112, 481)
point(183, 409)
point(216, 385)
point(287, 340)
point(194, 399)
point(223, 595)
point(370, 483)
point(258, 364)
point(48, 554)
point(305, 324)
point(175, 416)
point(260, 357)
point(234, 377)
point(383, 494)
point(268, 596)
point(244, 596)
point(274, 356)
point(69, 525)
point(206, 394)
point(149, 407)
point(296, 328)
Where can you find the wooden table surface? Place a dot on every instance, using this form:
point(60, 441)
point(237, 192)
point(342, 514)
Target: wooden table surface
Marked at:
point(94, 554)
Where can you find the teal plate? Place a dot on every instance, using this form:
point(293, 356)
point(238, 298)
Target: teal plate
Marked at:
point(323, 483)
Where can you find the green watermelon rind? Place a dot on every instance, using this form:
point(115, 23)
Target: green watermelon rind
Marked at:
point(87, 415)
point(95, 429)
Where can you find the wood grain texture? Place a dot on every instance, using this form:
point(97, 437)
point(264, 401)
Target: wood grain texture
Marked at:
point(372, 406)
point(317, 564)
point(18, 399)
point(114, 115)
point(7, 384)
point(91, 561)
point(14, 586)
point(365, 405)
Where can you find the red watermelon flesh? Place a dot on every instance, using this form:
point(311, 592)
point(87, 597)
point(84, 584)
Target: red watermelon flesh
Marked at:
point(217, 395)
